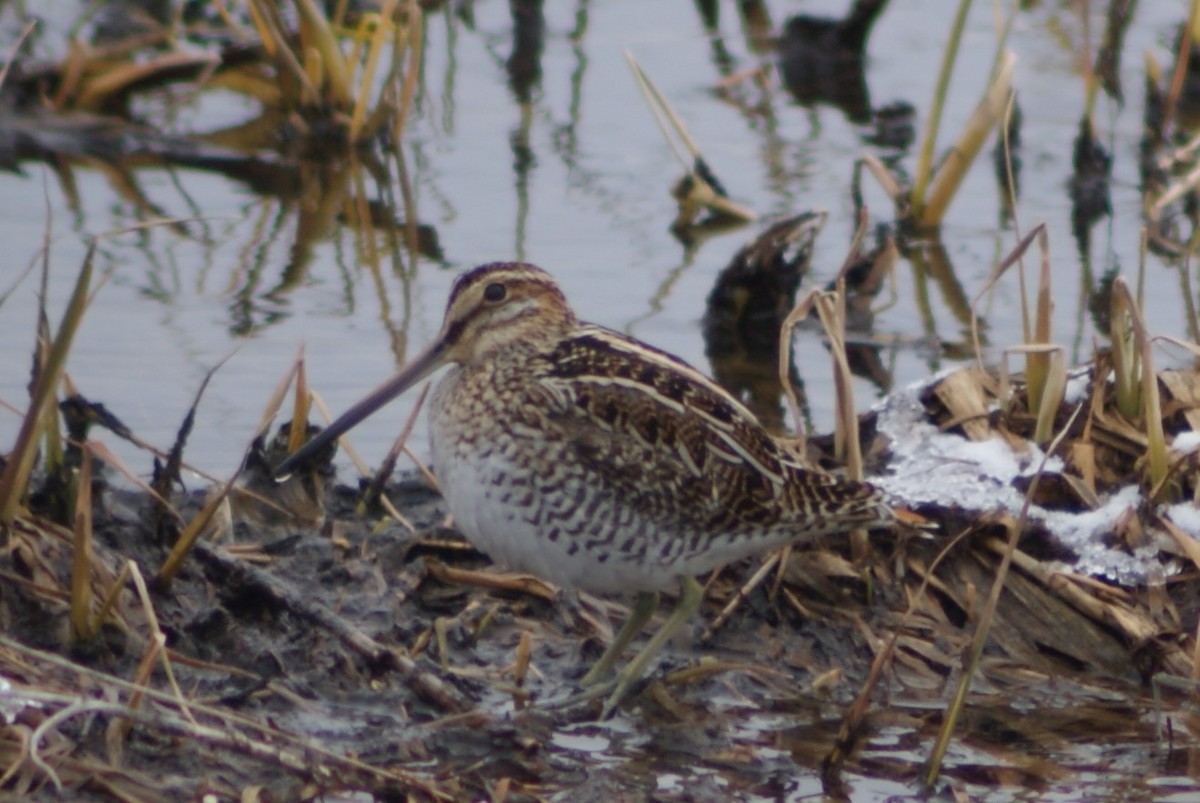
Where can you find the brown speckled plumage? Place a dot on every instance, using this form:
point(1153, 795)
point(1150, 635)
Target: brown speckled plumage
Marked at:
point(589, 458)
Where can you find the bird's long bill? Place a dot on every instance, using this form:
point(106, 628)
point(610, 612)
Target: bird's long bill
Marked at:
point(417, 369)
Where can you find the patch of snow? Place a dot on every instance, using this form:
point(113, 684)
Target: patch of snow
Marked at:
point(1186, 517)
point(1186, 442)
point(1084, 532)
point(1078, 382)
point(12, 703)
point(929, 467)
point(946, 469)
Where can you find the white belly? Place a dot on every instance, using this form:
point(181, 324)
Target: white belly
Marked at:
point(501, 519)
point(542, 514)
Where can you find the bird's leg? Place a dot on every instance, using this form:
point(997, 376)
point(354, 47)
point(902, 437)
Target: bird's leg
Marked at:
point(690, 596)
point(643, 608)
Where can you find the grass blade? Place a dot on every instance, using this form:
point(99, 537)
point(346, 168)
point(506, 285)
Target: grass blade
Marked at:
point(954, 710)
point(83, 626)
point(929, 140)
point(20, 460)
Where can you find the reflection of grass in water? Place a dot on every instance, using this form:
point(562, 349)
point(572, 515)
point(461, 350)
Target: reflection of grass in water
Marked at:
point(329, 85)
point(328, 93)
point(325, 84)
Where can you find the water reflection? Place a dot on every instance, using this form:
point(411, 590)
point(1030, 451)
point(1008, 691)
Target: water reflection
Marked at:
point(746, 308)
point(366, 220)
point(823, 60)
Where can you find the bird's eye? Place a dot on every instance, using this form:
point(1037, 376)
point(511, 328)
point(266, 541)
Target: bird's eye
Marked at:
point(495, 292)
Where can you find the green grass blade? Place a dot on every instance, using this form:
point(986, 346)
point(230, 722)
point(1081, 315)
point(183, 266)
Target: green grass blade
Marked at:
point(16, 471)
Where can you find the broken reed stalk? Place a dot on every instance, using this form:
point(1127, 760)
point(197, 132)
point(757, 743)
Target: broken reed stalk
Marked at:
point(1045, 364)
point(1127, 389)
point(298, 430)
point(798, 313)
point(174, 561)
point(187, 539)
point(664, 116)
point(958, 702)
point(886, 181)
point(694, 191)
point(156, 652)
point(323, 58)
point(1045, 409)
point(1151, 406)
point(928, 213)
point(1053, 392)
point(83, 626)
point(1037, 363)
point(1127, 356)
point(170, 472)
point(742, 594)
point(15, 478)
point(388, 466)
point(109, 601)
point(831, 309)
point(833, 319)
point(360, 465)
point(929, 138)
point(275, 401)
point(49, 429)
point(1012, 258)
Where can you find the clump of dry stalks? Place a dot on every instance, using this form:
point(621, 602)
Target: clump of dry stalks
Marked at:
point(343, 78)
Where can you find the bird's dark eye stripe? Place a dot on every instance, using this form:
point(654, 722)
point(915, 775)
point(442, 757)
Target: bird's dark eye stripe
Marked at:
point(494, 292)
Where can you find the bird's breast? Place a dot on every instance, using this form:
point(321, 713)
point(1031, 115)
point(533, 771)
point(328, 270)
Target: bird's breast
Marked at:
point(519, 495)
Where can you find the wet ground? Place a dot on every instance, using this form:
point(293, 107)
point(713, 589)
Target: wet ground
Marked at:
point(358, 655)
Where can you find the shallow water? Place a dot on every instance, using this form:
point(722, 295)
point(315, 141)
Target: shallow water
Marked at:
point(583, 194)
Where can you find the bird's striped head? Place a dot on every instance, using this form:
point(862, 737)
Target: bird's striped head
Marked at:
point(500, 305)
point(492, 309)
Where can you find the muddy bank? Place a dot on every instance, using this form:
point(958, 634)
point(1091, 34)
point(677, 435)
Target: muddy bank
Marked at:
point(358, 655)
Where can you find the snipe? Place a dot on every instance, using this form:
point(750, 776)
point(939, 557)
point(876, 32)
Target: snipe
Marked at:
point(597, 462)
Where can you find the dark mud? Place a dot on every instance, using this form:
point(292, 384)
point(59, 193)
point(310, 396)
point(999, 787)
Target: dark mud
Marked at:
point(404, 651)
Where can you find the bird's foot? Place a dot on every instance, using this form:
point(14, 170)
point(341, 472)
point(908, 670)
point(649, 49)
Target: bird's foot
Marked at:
point(585, 695)
point(613, 690)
